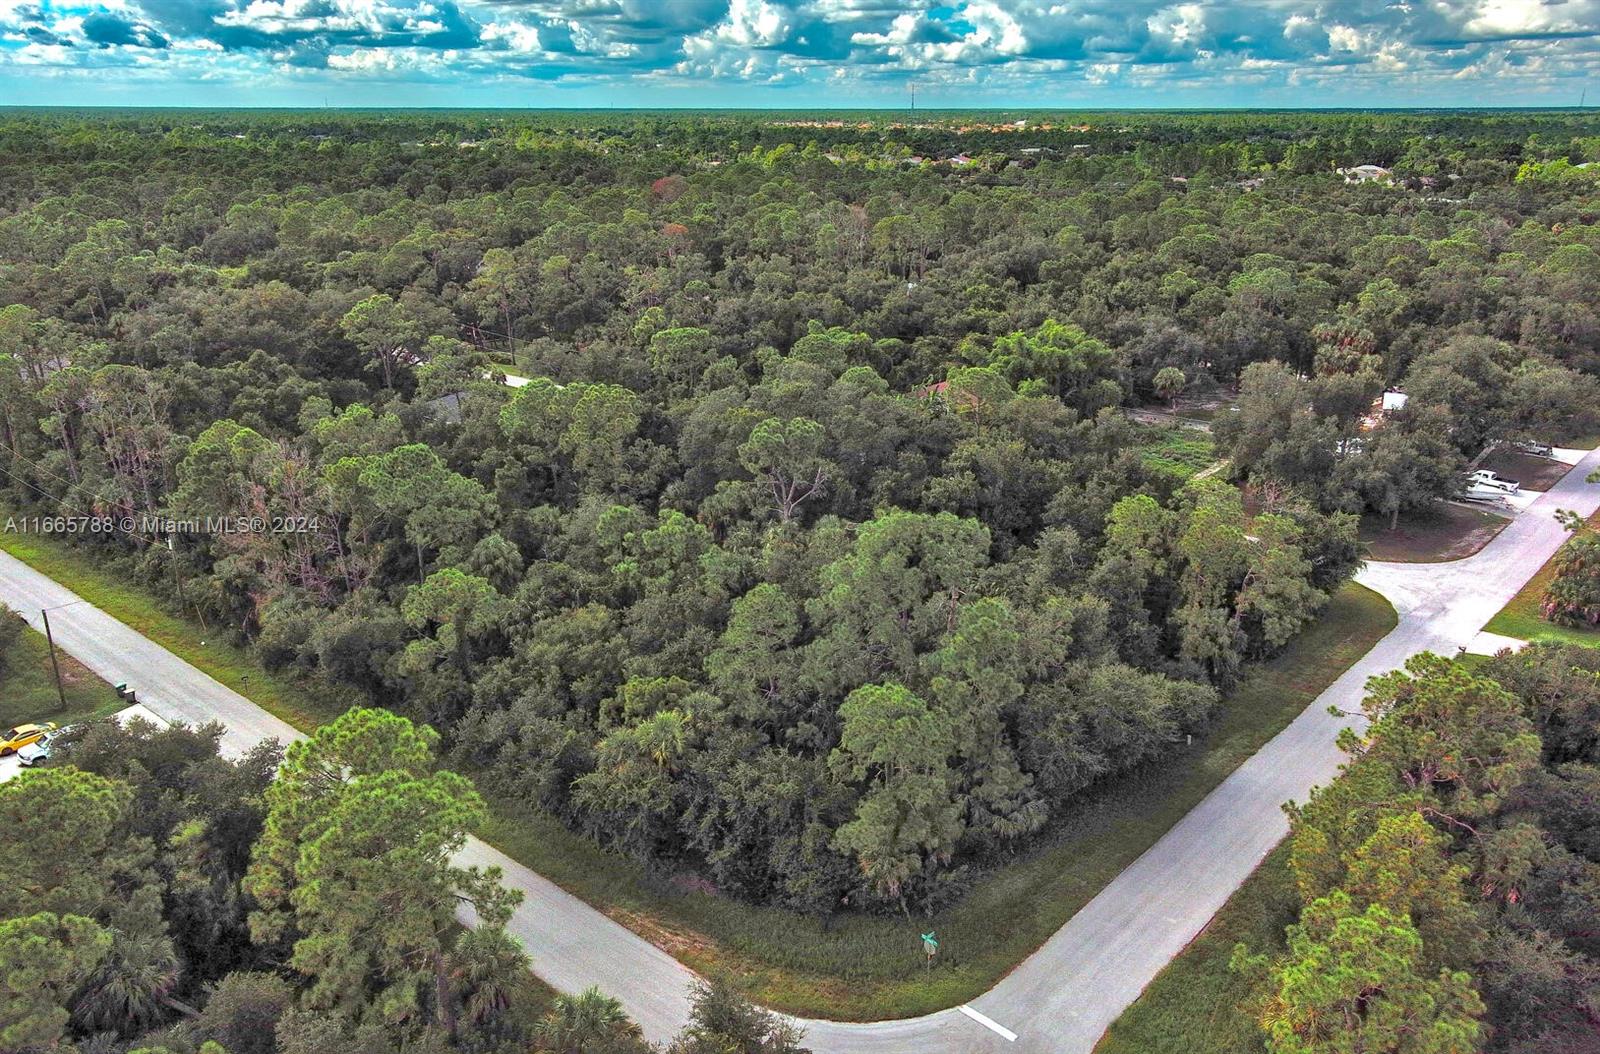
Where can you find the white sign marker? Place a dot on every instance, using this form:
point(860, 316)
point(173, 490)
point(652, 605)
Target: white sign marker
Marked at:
point(990, 1024)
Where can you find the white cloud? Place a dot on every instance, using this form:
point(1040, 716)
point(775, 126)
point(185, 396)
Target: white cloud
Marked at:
point(978, 49)
point(1510, 17)
point(994, 28)
point(900, 32)
point(754, 23)
point(518, 36)
point(594, 43)
point(43, 55)
point(364, 59)
point(1344, 38)
point(1181, 24)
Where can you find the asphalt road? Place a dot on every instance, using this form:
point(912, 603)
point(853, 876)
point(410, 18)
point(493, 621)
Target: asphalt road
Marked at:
point(573, 945)
point(1062, 997)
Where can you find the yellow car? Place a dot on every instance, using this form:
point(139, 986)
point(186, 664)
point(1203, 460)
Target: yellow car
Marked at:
point(22, 735)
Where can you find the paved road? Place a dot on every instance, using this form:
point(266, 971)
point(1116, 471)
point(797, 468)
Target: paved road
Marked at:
point(573, 945)
point(1061, 998)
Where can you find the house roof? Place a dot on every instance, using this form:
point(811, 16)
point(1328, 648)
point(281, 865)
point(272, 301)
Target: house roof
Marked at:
point(941, 390)
point(446, 407)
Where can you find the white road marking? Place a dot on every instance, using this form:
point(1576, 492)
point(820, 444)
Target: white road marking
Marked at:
point(988, 1023)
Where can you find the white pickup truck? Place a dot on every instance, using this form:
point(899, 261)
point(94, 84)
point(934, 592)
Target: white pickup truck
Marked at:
point(1485, 479)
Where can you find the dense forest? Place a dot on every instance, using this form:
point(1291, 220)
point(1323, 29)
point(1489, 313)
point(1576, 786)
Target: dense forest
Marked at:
point(755, 493)
point(1451, 877)
point(159, 898)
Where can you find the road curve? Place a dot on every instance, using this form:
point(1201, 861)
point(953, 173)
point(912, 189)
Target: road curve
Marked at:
point(1062, 998)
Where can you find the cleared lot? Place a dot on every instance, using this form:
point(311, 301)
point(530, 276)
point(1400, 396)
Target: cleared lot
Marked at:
point(1448, 532)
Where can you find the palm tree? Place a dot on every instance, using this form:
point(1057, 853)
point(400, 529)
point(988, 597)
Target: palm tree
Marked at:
point(489, 965)
point(127, 993)
point(1169, 382)
point(576, 1021)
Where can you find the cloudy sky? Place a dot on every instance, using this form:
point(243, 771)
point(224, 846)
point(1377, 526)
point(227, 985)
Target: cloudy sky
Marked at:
point(800, 52)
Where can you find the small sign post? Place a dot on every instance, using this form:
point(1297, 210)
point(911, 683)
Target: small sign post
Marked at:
point(930, 946)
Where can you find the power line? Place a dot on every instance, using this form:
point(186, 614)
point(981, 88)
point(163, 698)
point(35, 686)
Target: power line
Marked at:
point(43, 470)
point(28, 483)
point(149, 537)
point(62, 501)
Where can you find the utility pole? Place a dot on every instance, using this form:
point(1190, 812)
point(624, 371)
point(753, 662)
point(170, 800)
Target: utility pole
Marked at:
point(177, 575)
point(60, 691)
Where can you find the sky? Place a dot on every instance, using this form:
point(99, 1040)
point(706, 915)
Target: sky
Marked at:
point(800, 53)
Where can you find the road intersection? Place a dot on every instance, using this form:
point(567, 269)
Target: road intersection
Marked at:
point(1061, 998)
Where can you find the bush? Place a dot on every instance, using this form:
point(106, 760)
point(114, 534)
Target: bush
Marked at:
point(1573, 597)
point(725, 1022)
point(11, 627)
point(243, 1011)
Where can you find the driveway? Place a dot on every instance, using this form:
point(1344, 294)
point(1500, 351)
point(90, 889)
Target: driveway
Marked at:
point(11, 764)
point(1062, 998)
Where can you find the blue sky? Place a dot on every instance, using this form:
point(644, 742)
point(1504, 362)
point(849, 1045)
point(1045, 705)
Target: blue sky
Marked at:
point(799, 53)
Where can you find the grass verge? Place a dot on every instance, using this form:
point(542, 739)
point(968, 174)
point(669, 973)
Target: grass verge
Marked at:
point(28, 685)
point(1520, 617)
point(1193, 1006)
point(850, 967)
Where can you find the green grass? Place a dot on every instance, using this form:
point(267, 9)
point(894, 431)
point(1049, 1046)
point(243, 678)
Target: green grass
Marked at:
point(1179, 451)
point(1577, 440)
point(1194, 1005)
point(851, 967)
point(530, 1001)
point(28, 686)
point(1520, 617)
point(510, 369)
